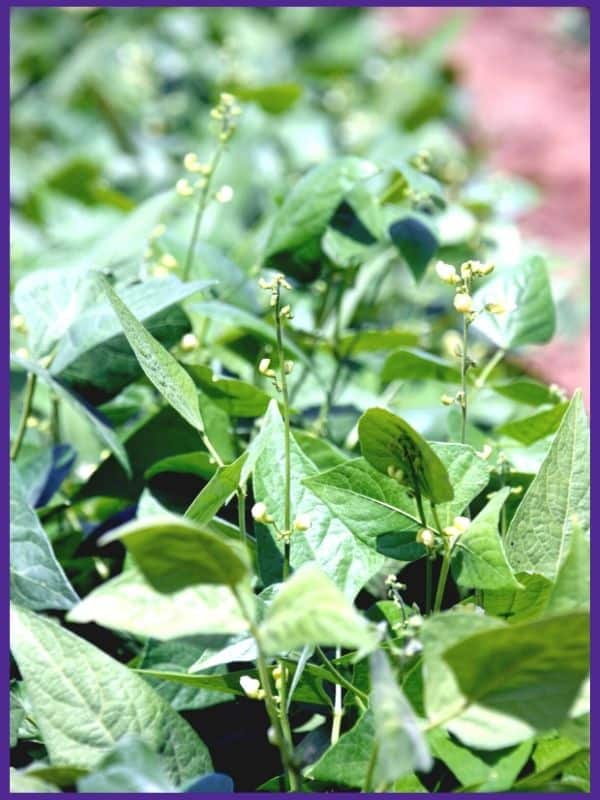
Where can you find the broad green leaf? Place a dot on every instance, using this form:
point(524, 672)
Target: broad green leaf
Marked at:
point(556, 500)
point(88, 413)
point(373, 340)
point(128, 603)
point(174, 553)
point(401, 747)
point(533, 320)
point(37, 580)
point(310, 609)
point(519, 605)
point(310, 689)
point(478, 558)
point(321, 451)
point(370, 504)
point(411, 364)
point(532, 670)
point(347, 762)
point(273, 97)
point(415, 242)
point(105, 701)
point(217, 491)
point(94, 353)
point(195, 463)
point(526, 390)
point(481, 771)
point(237, 398)
point(387, 440)
point(161, 369)
point(571, 590)
point(21, 782)
point(130, 767)
point(304, 215)
point(17, 715)
point(349, 562)
point(529, 429)
point(552, 756)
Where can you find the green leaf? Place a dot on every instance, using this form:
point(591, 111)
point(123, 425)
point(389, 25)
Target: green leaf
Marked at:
point(37, 580)
point(178, 655)
point(94, 353)
point(128, 603)
point(130, 767)
point(571, 590)
point(528, 391)
point(411, 364)
point(310, 609)
point(415, 242)
point(161, 369)
point(530, 429)
point(328, 542)
point(307, 210)
point(388, 440)
point(370, 504)
point(195, 463)
point(533, 320)
point(372, 340)
point(21, 782)
point(481, 771)
point(273, 98)
point(90, 415)
point(556, 500)
point(217, 491)
point(174, 553)
point(347, 762)
point(237, 398)
point(109, 701)
point(520, 605)
point(401, 747)
point(478, 558)
point(532, 671)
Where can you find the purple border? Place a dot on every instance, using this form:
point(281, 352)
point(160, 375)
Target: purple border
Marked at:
point(5, 309)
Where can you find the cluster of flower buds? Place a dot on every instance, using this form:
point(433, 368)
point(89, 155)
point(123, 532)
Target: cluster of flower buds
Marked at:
point(426, 538)
point(275, 285)
point(265, 368)
point(252, 688)
point(462, 280)
point(226, 112)
point(260, 514)
point(458, 527)
point(163, 263)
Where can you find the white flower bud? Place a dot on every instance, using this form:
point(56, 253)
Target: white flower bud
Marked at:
point(251, 687)
point(190, 162)
point(260, 514)
point(426, 537)
point(189, 342)
point(183, 188)
point(446, 272)
point(168, 261)
point(447, 400)
point(288, 366)
point(302, 522)
point(224, 194)
point(263, 366)
point(462, 523)
point(480, 269)
point(485, 453)
point(463, 303)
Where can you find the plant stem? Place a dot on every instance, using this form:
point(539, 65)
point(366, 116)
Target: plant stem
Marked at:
point(321, 424)
point(338, 710)
point(439, 595)
point(362, 699)
point(489, 367)
point(428, 583)
point(214, 162)
point(26, 410)
point(276, 717)
point(371, 770)
point(463, 381)
point(287, 486)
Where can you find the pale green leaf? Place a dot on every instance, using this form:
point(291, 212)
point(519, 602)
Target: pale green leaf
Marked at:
point(478, 558)
point(528, 430)
point(571, 589)
point(84, 701)
point(556, 500)
point(310, 609)
point(412, 364)
point(130, 767)
point(37, 580)
point(174, 553)
point(217, 491)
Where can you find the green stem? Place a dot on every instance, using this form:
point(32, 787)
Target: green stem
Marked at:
point(283, 740)
point(26, 410)
point(338, 710)
point(463, 381)
point(200, 210)
point(371, 770)
point(362, 699)
point(489, 367)
point(321, 424)
point(287, 485)
point(428, 583)
point(439, 595)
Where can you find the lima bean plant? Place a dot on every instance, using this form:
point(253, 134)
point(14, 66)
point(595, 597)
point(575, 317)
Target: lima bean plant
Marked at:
point(324, 521)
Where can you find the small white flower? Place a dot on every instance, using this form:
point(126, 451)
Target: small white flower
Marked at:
point(264, 366)
point(189, 342)
point(480, 269)
point(183, 188)
point(168, 261)
point(485, 453)
point(251, 687)
point(412, 648)
point(463, 303)
point(447, 400)
point(302, 522)
point(426, 537)
point(224, 194)
point(288, 366)
point(446, 272)
point(462, 523)
point(260, 514)
point(190, 162)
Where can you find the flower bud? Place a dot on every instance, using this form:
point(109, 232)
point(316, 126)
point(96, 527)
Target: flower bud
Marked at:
point(288, 366)
point(446, 272)
point(260, 514)
point(251, 687)
point(447, 400)
point(426, 537)
point(190, 162)
point(189, 342)
point(463, 303)
point(462, 523)
point(168, 261)
point(183, 188)
point(485, 453)
point(158, 231)
point(272, 736)
point(224, 194)
point(480, 269)
point(264, 365)
point(302, 522)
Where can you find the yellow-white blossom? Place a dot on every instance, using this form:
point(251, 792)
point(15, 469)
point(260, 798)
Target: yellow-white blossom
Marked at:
point(463, 303)
point(183, 188)
point(446, 272)
point(302, 522)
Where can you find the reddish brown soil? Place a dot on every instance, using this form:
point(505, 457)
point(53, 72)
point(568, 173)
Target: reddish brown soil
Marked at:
point(530, 104)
